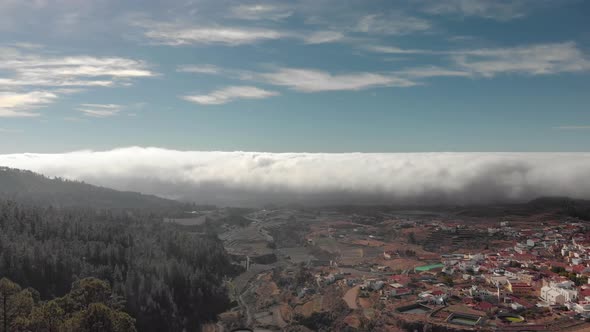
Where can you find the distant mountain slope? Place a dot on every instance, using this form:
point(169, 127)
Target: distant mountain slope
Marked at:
point(35, 188)
point(561, 206)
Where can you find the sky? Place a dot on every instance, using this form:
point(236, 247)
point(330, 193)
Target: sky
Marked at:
point(295, 76)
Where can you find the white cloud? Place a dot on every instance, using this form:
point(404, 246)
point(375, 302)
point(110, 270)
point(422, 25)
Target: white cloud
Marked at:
point(28, 72)
point(322, 37)
point(100, 110)
point(308, 80)
point(536, 59)
point(19, 104)
point(573, 127)
point(181, 34)
point(311, 80)
point(541, 59)
point(261, 11)
point(432, 71)
point(200, 69)
point(10, 131)
point(252, 177)
point(492, 9)
point(228, 94)
point(25, 45)
point(395, 50)
point(174, 34)
point(67, 71)
point(391, 25)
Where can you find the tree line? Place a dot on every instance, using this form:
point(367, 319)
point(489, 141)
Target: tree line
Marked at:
point(167, 278)
point(90, 306)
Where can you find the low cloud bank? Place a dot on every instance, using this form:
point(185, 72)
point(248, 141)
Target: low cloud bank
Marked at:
point(254, 178)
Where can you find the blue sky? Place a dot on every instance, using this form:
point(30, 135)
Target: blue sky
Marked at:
point(297, 76)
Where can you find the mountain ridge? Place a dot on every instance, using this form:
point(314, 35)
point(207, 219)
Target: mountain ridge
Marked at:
point(24, 185)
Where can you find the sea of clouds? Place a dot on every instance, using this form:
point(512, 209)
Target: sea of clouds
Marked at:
point(255, 178)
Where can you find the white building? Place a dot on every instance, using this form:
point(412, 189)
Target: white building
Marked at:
point(559, 293)
point(582, 307)
point(552, 295)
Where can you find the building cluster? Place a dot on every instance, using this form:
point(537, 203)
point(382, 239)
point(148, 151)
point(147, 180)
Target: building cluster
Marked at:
point(540, 270)
point(546, 267)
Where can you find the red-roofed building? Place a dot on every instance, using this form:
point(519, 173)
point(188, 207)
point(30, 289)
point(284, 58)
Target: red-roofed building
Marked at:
point(557, 264)
point(468, 300)
point(437, 292)
point(584, 293)
point(400, 279)
point(524, 258)
point(484, 306)
point(524, 303)
point(401, 291)
point(579, 269)
point(520, 288)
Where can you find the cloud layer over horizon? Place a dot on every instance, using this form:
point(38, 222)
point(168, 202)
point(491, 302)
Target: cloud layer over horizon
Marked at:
point(255, 178)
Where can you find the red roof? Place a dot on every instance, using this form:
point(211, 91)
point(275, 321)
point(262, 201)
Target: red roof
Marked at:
point(585, 292)
point(520, 285)
point(522, 302)
point(557, 264)
point(524, 257)
point(467, 300)
point(578, 268)
point(402, 291)
point(484, 306)
point(400, 278)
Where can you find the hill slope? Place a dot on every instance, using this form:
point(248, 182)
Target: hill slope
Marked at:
point(559, 206)
point(35, 188)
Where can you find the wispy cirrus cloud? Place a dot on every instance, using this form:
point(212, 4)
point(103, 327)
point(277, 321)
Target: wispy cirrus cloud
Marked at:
point(34, 79)
point(432, 71)
point(20, 104)
point(541, 59)
point(395, 50)
point(395, 24)
point(179, 34)
point(501, 10)
point(536, 59)
point(313, 80)
point(575, 127)
point(182, 34)
point(322, 37)
point(100, 110)
point(10, 131)
point(30, 69)
point(310, 80)
point(200, 69)
point(261, 11)
point(229, 94)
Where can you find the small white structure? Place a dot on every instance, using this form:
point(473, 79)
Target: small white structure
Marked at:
point(582, 307)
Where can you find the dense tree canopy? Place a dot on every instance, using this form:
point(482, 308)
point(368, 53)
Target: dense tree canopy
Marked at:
point(89, 307)
point(167, 278)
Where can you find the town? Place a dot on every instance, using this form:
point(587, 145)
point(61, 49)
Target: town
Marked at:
point(362, 269)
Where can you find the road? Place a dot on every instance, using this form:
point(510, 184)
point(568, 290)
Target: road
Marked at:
point(245, 306)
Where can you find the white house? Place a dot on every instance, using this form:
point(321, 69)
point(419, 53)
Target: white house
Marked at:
point(559, 293)
point(552, 295)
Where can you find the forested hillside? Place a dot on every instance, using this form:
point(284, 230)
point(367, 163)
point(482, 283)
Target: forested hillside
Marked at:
point(169, 279)
point(89, 306)
point(35, 188)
